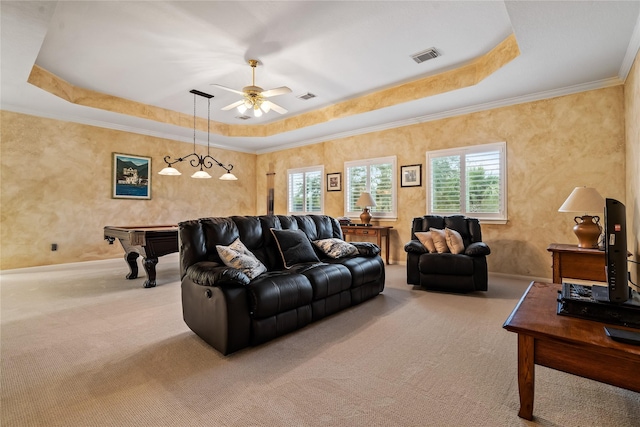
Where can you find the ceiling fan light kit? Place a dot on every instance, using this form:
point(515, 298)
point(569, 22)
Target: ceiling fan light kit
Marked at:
point(196, 160)
point(254, 97)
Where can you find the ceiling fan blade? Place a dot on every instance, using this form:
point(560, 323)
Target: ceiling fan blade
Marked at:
point(227, 88)
point(275, 92)
point(275, 107)
point(232, 106)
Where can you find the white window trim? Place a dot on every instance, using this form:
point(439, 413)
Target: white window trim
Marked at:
point(394, 188)
point(499, 218)
point(317, 168)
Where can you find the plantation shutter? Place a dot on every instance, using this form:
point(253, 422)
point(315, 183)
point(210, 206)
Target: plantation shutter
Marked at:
point(304, 193)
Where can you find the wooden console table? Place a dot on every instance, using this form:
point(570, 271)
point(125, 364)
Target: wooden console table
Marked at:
point(577, 263)
point(374, 230)
point(567, 344)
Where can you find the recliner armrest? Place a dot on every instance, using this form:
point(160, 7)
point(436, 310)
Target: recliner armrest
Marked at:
point(415, 247)
point(477, 249)
point(208, 273)
point(366, 248)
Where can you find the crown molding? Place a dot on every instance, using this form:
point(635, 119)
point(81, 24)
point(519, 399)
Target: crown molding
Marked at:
point(569, 90)
point(117, 127)
point(632, 52)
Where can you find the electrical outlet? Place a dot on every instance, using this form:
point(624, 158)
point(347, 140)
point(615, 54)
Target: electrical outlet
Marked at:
point(54, 247)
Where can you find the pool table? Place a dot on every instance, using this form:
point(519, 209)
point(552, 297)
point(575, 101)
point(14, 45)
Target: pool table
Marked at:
point(151, 242)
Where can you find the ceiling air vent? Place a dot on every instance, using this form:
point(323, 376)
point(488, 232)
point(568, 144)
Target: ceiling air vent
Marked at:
point(245, 117)
point(425, 55)
point(306, 96)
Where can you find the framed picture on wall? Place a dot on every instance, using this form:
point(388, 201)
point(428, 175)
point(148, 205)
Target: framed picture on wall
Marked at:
point(411, 176)
point(131, 177)
point(334, 181)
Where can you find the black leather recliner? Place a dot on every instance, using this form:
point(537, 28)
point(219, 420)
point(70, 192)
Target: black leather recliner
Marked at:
point(464, 272)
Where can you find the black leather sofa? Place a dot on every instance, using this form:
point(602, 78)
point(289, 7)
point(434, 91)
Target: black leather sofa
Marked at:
point(449, 272)
point(230, 311)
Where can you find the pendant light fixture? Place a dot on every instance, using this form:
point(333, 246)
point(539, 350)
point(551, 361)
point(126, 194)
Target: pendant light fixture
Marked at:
point(196, 160)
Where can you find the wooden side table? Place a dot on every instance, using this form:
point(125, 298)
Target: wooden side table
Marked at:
point(374, 230)
point(573, 262)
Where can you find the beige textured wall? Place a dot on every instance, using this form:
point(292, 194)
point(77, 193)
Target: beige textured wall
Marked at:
point(632, 122)
point(56, 188)
point(552, 146)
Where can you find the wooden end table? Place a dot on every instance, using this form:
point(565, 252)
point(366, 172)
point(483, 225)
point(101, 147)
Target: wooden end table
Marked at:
point(573, 262)
point(567, 344)
point(377, 231)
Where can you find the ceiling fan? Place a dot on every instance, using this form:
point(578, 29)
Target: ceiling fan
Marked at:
point(254, 97)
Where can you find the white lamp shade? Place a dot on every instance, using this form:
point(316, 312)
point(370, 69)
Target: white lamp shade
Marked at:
point(228, 177)
point(201, 175)
point(169, 171)
point(365, 200)
point(583, 200)
point(242, 108)
point(257, 111)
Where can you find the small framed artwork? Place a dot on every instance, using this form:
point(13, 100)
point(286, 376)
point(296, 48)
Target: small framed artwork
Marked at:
point(334, 181)
point(131, 177)
point(411, 176)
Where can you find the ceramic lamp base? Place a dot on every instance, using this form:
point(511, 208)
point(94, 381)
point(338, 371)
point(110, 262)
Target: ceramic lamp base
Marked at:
point(365, 216)
point(587, 230)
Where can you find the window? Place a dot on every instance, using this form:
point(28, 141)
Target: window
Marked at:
point(378, 177)
point(470, 181)
point(305, 190)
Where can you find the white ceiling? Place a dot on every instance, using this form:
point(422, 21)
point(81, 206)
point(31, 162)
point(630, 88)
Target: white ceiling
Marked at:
point(155, 52)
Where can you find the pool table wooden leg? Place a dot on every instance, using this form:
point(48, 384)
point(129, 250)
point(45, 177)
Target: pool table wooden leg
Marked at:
point(131, 259)
point(150, 267)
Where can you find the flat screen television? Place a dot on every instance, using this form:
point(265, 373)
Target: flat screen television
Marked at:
point(615, 246)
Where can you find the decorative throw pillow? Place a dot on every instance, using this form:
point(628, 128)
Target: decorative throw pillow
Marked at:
point(427, 241)
point(454, 241)
point(439, 240)
point(335, 248)
point(294, 247)
point(236, 255)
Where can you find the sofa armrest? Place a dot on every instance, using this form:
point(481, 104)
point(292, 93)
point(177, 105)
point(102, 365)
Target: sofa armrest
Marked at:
point(366, 248)
point(477, 249)
point(415, 247)
point(208, 273)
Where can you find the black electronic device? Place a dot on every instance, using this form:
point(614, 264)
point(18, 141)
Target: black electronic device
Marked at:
point(615, 246)
point(621, 335)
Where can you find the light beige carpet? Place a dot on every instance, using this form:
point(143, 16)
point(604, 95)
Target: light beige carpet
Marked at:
point(82, 346)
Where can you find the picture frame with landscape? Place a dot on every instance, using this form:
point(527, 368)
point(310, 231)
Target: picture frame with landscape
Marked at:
point(411, 176)
point(131, 177)
point(334, 181)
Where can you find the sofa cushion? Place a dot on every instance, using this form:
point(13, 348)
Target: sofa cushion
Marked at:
point(454, 241)
point(446, 264)
point(335, 248)
point(294, 247)
point(236, 255)
point(325, 279)
point(439, 240)
point(426, 239)
point(363, 269)
point(276, 292)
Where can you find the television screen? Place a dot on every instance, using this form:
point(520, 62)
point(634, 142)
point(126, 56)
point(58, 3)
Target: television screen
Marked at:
point(615, 246)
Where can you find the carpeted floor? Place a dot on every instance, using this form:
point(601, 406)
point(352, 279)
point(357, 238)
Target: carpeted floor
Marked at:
point(82, 346)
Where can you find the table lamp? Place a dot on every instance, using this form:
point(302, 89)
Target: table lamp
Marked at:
point(585, 200)
point(364, 201)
